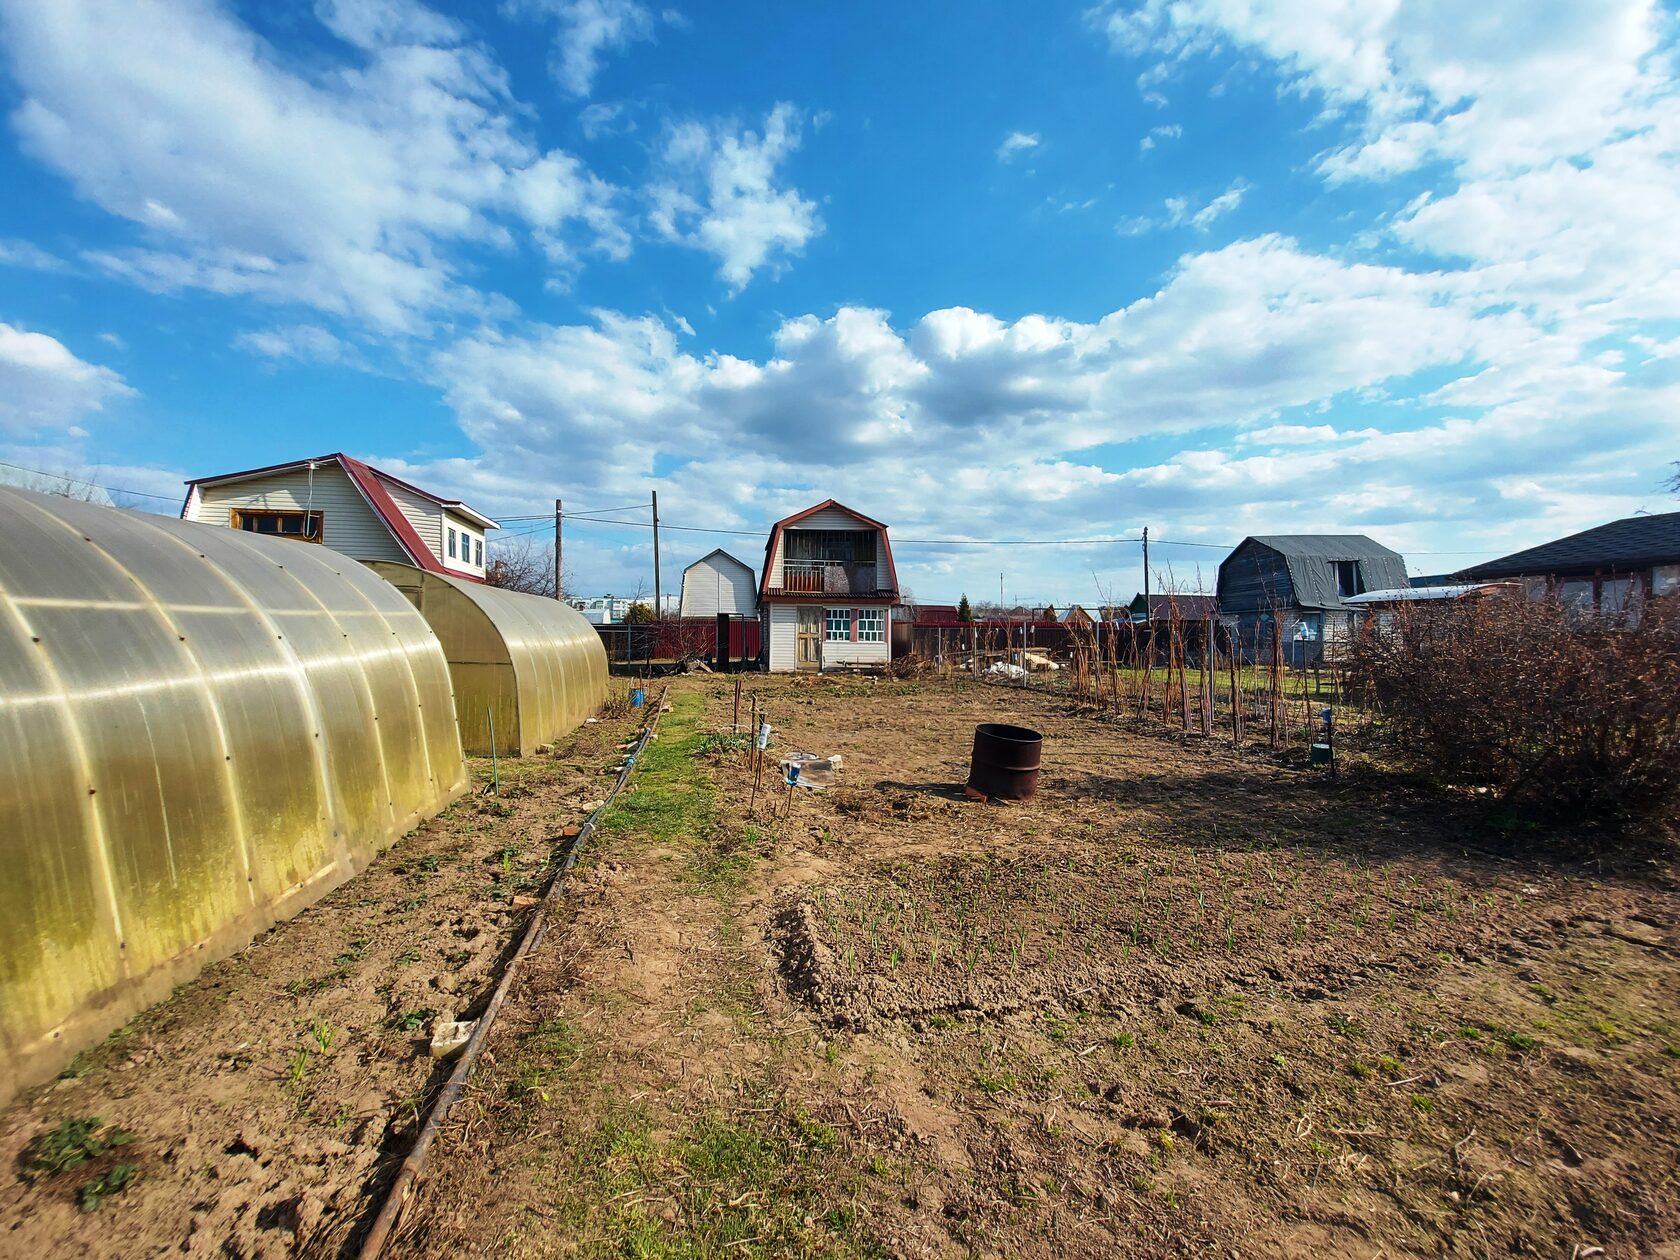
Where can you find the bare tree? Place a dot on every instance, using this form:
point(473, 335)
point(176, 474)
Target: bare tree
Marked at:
point(524, 564)
point(1672, 485)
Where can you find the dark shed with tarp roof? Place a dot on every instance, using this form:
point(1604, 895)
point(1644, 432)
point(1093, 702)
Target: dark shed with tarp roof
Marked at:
point(1301, 582)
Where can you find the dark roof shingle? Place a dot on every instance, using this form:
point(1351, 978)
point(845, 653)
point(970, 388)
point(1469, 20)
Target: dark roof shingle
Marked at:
point(1635, 542)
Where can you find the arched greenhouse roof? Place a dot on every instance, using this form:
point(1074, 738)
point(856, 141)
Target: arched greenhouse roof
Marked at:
point(201, 732)
point(527, 667)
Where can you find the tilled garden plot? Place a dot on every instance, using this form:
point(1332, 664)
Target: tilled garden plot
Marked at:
point(1184, 1002)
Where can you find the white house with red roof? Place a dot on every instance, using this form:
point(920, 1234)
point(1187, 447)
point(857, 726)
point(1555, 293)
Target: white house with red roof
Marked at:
point(827, 591)
point(349, 506)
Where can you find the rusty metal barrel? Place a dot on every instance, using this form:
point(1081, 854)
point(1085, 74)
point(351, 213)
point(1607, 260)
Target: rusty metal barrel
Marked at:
point(1004, 765)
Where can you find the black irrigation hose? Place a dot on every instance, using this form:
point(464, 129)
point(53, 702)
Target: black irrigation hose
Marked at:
point(403, 1184)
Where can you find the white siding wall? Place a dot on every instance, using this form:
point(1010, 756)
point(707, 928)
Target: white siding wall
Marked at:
point(348, 524)
point(784, 638)
point(463, 529)
point(423, 514)
point(718, 584)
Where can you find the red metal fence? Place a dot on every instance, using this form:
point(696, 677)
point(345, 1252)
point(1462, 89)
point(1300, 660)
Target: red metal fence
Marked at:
point(681, 638)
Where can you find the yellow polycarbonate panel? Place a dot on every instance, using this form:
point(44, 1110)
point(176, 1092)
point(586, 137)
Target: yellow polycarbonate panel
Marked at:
point(201, 731)
point(534, 666)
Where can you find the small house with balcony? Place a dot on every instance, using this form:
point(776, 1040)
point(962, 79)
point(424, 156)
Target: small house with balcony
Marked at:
point(827, 593)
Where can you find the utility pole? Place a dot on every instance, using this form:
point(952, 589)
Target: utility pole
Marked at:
point(658, 605)
point(1146, 573)
point(558, 569)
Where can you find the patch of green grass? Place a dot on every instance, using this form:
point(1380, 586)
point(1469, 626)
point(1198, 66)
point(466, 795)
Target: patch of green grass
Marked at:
point(1342, 1026)
point(998, 1083)
point(413, 1021)
point(1517, 1040)
point(1056, 1029)
point(1123, 1041)
point(667, 797)
point(1360, 1071)
point(1423, 1102)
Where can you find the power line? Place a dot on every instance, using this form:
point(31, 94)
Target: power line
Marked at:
point(84, 481)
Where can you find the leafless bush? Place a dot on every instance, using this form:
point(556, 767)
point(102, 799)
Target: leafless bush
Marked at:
point(1540, 705)
point(522, 564)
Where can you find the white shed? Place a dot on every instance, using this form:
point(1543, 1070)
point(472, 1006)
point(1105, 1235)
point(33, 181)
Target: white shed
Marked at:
point(719, 583)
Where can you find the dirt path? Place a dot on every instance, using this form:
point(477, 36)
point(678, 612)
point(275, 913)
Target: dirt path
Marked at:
point(1181, 1003)
point(270, 1098)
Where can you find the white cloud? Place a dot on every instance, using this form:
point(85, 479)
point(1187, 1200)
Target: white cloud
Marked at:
point(341, 185)
point(1168, 131)
point(1555, 129)
point(43, 386)
point(1180, 213)
point(603, 118)
point(1272, 363)
point(588, 29)
point(1300, 435)
point(299, 343)
point(28, 256)
point(1015, 144)
point(721, 191)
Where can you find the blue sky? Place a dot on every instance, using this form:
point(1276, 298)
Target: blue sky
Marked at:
point(984, 271)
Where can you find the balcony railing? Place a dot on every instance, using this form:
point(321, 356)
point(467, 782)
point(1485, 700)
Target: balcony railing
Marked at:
point(827, 577)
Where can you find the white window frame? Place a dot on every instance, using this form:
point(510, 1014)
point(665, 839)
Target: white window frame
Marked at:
point(872, 625)
point(829, 621)
point(452, 544)
point(478, 552)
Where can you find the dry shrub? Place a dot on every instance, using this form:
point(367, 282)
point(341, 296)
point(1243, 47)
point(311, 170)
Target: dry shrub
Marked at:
point(1545, 707)
point(910, 665)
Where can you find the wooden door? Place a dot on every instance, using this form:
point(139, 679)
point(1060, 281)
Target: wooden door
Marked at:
point(810, 638)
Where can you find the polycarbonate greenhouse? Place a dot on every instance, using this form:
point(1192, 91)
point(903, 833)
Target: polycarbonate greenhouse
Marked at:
point(528, 667)
point(201, 732)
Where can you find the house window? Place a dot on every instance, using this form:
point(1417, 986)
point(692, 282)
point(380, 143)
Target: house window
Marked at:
point(478, 552)
point(451, 544)
point(1310, 627)
point(838, 625)
point(872, 625)
point(1665, 579)
point(1347, 578)
point(1576, 592)
point(1613, 596)
point(302, 525)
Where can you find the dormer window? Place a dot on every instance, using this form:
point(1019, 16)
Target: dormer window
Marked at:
point(1347, 578)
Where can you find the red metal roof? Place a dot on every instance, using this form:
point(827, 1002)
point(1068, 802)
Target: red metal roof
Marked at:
point(776, 534)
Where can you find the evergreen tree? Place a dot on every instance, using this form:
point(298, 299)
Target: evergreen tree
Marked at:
point(964, 612)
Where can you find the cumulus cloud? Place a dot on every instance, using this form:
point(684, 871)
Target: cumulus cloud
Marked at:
point(342, 186)
point(721, 191)
point(43, 386)
point(1015, 144)
point(1555, 129)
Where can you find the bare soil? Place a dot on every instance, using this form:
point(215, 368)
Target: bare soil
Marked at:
point(1183, 1002)
point(271, 1098)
